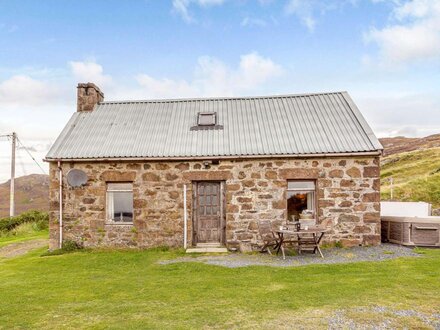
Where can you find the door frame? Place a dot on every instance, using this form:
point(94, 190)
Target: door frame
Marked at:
point(194, 216)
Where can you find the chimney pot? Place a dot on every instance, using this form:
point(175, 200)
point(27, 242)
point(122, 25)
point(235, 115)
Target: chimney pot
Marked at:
point(88, 96)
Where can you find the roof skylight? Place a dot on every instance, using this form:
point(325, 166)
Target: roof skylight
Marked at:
point(206, 119)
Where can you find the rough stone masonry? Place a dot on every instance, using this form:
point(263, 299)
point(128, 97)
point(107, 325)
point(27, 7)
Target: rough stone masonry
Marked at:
point(347, 192)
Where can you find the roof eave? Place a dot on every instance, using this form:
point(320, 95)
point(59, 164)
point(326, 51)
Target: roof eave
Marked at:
point(232, 157)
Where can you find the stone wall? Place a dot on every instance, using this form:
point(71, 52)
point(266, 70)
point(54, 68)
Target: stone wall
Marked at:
point(347, 200)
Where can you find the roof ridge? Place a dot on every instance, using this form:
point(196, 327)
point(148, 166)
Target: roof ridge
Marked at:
point(219, 98)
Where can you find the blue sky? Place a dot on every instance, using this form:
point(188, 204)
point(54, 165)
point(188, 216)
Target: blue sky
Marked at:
point(386, 53)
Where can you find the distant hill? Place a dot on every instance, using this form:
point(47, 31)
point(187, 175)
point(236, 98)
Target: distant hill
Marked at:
point(31, 193)
point(414, 165)
point(401, 144)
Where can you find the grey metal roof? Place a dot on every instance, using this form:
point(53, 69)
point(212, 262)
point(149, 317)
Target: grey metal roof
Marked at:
point(327, 123)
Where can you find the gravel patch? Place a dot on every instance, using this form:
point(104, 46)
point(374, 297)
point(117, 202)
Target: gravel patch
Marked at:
point(18, 249)
point(331, 256)
point(382, 318)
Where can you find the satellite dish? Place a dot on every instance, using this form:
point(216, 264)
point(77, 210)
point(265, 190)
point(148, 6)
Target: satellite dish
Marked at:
point(76, 178)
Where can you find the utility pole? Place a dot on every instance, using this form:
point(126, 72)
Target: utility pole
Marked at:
point(12, 186)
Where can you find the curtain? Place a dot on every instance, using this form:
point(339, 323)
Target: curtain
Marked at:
point(310, 200)
point(110, 206)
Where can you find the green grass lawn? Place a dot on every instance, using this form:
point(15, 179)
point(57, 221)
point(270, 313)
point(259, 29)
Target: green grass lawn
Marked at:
point(28, 236)
point(128, 289)
point(26, 226)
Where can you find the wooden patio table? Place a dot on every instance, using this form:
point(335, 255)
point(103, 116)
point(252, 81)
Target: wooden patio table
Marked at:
point(310, 238)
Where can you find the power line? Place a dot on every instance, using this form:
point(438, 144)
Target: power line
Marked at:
point(6, 136)
point(29, 153)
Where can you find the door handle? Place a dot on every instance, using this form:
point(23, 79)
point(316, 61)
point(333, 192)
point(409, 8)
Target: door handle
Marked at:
point(426, 228)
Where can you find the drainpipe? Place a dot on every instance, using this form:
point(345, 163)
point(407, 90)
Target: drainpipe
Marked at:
point(185, 219)
point(60, 170)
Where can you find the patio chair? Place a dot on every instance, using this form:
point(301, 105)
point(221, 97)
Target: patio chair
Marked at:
point(268, 236)
point(307, 242)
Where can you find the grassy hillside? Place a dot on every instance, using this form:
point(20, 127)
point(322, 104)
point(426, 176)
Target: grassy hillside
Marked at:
point(401, 144)
point(416, 176)
point(31, 193)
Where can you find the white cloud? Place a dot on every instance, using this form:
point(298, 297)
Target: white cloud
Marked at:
point(213, 78)
point(255, 70)
point(308, 11)
point(413, 33)
point(160, 88)
point(265, 2)
point(90, 71)
point(36, 103)
point(20, 90)
point(250, 22)
point(209, 2)
point(303, 9)
point(400, 112)
point(181, 7)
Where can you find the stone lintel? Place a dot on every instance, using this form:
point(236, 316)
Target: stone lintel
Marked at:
point(117, 176)
point(207, 175)
point(299, 173)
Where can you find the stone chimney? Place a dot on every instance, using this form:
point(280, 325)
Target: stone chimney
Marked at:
point(88, 96)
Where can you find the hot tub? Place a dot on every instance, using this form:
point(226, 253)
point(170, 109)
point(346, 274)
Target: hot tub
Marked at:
point(411, 231)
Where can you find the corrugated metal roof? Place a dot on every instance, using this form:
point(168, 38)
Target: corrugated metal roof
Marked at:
point(327, 123)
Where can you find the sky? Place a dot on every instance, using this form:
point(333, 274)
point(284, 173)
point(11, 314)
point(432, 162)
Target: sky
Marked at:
point(385, 53)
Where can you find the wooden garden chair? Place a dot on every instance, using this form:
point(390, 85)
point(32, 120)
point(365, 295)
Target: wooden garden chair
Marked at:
point(268, 237)
point(309, 241)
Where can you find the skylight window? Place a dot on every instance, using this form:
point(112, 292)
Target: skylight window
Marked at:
point(206, 119)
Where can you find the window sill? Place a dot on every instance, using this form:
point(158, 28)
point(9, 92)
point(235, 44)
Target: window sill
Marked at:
point(119, 223)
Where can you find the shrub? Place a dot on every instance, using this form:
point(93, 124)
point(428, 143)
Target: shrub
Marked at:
point(39, 219)
point(23, 229)
point(69, 246)
point(339, 245)
point(161, 248)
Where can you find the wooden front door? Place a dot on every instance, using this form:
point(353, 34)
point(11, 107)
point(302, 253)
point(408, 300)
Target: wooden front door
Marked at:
point(208, 212)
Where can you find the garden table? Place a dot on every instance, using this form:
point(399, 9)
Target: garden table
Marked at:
point(305, 238)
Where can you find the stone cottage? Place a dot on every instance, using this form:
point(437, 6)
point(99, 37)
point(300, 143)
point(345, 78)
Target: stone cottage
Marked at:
point(193, 171)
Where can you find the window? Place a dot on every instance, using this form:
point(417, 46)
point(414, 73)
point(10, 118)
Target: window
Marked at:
point(206, 119)
point(300, 197)
point(120, 202)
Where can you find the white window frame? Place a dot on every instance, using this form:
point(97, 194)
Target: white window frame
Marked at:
point(110, 219)
point(305, 191)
